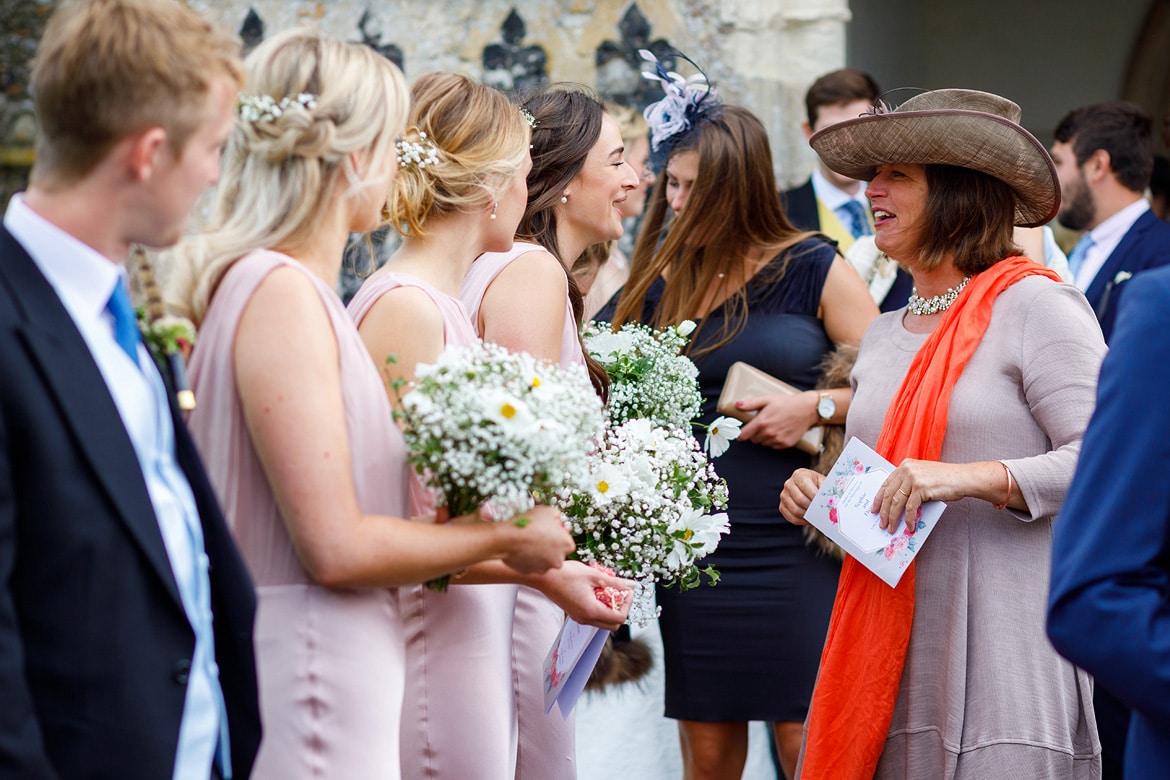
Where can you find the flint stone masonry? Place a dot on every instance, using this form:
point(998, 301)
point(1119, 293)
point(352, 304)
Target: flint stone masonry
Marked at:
point(760, 53)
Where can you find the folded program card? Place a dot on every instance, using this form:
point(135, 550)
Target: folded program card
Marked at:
point(569, 663)
point(841, 511)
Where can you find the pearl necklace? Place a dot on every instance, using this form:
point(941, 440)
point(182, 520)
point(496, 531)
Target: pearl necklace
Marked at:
point(924, 307)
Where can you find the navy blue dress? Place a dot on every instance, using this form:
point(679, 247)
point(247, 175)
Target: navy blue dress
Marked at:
point(749, 648)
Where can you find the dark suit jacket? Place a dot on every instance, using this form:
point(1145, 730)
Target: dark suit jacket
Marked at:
point(1145, 246)
point(94, 644)
point(800, 205)
point(1109, 607)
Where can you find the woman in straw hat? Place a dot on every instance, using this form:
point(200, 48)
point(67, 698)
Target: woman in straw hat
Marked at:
point(979, 390)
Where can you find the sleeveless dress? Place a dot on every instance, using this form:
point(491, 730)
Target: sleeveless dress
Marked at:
point(748, 648)
point(459, 711)
point(547, 743)
point(330, 661)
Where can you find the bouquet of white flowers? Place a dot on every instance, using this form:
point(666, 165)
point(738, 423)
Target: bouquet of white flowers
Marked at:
point(646, 508)
point(488, 428)
point(650, 378)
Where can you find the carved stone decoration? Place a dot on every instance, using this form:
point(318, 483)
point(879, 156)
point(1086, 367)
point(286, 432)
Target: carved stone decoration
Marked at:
point(510, 66)
point(619, 68)
point(252, 30)
point(370, 26)
point(24, 21)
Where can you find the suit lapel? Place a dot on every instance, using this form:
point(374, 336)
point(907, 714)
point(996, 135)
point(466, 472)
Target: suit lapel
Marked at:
point(73, 379)
point(1115, 263)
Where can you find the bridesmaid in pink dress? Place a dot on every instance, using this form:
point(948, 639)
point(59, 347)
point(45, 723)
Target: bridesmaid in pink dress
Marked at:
point(525, 299)
point(467, 199)
point(293, 420)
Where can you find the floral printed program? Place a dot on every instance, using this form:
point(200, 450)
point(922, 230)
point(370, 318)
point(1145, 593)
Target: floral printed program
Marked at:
point(846, 495)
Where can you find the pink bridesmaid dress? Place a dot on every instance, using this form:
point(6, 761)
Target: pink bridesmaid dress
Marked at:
point(330, 661)
point(547, 742)
point(459, 714)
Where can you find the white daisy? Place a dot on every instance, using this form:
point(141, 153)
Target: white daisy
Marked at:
point(720, 434)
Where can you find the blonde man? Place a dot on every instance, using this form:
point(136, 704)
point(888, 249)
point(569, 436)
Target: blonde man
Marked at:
point(125, 611)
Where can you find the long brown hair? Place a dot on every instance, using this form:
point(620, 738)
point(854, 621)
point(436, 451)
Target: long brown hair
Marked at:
point(733, 210)
point(568, 124)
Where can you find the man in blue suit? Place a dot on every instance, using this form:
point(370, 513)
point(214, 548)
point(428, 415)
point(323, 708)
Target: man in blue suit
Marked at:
point(1109, 607)
point(1104, 155)
point(126, 612)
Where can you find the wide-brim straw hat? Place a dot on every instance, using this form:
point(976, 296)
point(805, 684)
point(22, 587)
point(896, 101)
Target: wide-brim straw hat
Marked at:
point(961, 127)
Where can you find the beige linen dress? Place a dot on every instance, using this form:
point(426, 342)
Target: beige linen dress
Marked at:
point(983, 694)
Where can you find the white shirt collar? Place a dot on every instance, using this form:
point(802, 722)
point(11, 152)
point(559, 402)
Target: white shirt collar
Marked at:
point(1112, 229)
point(1106, 237)
point(833, 197)
point(82, 277)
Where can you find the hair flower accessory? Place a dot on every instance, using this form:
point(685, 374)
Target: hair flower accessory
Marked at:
point(420, 153)
point(528, 117)
point(265, 108)
point(677, 115)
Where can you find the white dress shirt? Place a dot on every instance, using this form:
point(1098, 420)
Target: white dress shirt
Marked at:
point(84, 279)
point(835, 198)
point(1106, 237)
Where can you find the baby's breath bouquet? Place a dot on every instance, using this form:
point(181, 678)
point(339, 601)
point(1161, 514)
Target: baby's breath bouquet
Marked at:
point(650, 378)
point(647, 509)
point(486, 428)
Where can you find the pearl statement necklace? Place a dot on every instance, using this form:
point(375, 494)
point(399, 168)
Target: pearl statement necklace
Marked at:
point(924, 307)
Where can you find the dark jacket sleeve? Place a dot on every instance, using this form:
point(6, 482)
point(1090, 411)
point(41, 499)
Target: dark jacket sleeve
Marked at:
point(1108, 608)
point(22, 749)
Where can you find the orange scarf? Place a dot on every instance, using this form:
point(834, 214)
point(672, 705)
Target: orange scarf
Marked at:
point(869, 633)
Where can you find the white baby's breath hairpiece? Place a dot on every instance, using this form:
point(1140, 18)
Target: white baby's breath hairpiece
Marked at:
point(265, 108)
point(528, 117)
point(421, 153)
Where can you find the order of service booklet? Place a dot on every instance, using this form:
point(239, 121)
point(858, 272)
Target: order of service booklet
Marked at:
point(569, 663)
point(841, 511)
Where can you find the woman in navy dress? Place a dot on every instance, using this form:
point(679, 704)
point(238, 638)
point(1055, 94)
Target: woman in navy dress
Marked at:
point(779, 300)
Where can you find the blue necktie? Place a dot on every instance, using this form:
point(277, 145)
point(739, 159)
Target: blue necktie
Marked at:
point(857, 223)
point(1077, 257)
point(125, 321)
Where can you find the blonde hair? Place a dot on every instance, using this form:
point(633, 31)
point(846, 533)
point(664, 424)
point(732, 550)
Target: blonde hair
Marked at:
point(482, 139)
point(279, 172)
point(105, 69)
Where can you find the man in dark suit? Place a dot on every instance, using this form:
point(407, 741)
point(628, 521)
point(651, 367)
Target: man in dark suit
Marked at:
point(835, 205)
point(125, 611)
point(1109, 606)
point(1104, 155)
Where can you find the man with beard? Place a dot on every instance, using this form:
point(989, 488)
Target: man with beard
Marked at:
point(1104, 155)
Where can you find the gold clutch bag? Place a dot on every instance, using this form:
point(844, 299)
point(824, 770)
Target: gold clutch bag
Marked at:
point(744, 381)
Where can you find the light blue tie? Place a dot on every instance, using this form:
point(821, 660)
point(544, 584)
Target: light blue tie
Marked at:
point(1077, 257)
point(125, 321)
point(858, 224)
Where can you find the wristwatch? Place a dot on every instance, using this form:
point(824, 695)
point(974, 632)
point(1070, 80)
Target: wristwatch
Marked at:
point(826, 408)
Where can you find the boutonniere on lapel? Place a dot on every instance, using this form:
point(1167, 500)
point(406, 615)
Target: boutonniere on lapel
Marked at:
point(1122, 276)
point(170, 339)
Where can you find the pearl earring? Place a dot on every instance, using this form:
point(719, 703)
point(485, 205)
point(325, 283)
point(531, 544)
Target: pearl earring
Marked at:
point(495, 205)
point(564, 199)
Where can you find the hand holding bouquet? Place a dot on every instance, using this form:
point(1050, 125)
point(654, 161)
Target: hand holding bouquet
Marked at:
point(646, 508)
point(486, 429)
